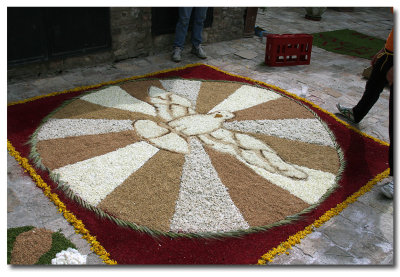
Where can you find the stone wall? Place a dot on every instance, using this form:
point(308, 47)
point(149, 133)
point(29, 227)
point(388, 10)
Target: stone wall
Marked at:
point(131, 37)
point(131, 31)
point(228, 24)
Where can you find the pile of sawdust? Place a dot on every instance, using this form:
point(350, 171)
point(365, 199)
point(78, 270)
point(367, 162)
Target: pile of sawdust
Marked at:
point(28, 245)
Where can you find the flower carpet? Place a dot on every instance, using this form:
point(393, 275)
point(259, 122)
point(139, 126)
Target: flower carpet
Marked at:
point(192, 165)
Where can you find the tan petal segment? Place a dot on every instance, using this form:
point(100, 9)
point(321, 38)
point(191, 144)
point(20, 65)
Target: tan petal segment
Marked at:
point(57, 153)
point(30, 246)
point(149, 195)
point(212, 93)
point(83, 109)
point(281, 108)
point(139, 89)
point(260, 202)
point(309, 155)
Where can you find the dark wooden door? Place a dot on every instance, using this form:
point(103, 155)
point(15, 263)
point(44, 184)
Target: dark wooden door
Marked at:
point(37, 34)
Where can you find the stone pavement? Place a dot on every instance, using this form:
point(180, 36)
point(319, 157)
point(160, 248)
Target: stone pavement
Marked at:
point(361, 235)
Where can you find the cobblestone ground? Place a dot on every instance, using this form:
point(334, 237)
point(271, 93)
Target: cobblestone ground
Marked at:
point(361, 235)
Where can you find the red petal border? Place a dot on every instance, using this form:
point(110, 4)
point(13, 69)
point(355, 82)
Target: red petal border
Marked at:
point(366, 158)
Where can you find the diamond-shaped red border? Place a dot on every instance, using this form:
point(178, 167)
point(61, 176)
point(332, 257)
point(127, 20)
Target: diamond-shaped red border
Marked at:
point(365, 159)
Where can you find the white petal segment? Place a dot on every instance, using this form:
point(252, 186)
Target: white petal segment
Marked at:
point(196, 124)
point(217, 145)
point(204, 204)
point(250, 142)
point(149, 129)
point(164, 112)
point(116, 97)
point(310, 190)
point(157, 92)
point(308, 130)
point(95, 178)
point(176, 99)
point(172, 142)
point(245, 97)
point(178, 111)
point(224, 135)
point(61, 128)
point(186, 88)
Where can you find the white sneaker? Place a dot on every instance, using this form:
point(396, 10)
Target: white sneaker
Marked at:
point(199, 52)
point(346, 112)
point(387, 190)
point(177, 54)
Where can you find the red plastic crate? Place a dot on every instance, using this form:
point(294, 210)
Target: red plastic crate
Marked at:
point(288, 49)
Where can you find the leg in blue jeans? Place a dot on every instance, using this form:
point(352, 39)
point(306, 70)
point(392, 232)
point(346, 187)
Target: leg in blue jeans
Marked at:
point(182, 26)
point(198, 23)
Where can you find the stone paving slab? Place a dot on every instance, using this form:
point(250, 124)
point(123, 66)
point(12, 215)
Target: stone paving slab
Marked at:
point(361, 235)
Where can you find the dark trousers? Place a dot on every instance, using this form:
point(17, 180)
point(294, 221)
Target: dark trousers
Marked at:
point(373, 89)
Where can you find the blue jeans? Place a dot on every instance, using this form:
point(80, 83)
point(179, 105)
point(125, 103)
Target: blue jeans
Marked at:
point(199, 15)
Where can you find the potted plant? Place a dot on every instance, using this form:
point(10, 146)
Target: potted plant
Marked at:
point(315, 13)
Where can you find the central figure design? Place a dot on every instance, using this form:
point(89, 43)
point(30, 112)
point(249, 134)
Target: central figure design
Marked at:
point(180, 122)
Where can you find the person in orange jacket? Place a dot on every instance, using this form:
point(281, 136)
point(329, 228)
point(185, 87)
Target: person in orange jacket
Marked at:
point(382, 75)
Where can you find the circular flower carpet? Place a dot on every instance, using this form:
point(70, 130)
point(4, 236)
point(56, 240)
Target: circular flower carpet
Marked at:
point(194, 165)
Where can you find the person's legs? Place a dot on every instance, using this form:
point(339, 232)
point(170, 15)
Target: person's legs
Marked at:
point(199, 15)
point(388, 188)
point(373, 87)
point(182, 26)
point(391, 140)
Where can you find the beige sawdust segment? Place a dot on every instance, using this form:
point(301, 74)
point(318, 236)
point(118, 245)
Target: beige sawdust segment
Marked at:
point(212, 93)
point(246, 189)
point(149, 195)
point(140, 89)
point(82, 109)
point(57, 153)
point(281, 108)
point(30, 246)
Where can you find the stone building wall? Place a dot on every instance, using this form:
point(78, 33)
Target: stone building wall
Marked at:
point(131, 31)
point(228, 24)
point(131, 37)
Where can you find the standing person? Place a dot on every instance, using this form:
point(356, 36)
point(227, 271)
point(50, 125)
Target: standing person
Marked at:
point(199, 15)
point(382, 74)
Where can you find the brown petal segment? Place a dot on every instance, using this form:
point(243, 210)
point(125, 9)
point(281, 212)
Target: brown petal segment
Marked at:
point(30, 246)
point(57, 153)
point(212, 93)
point(281, 108)
point(139, 89)
point(309, 155)
point(149, 195)
point(86, 110)
point(260, 202)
